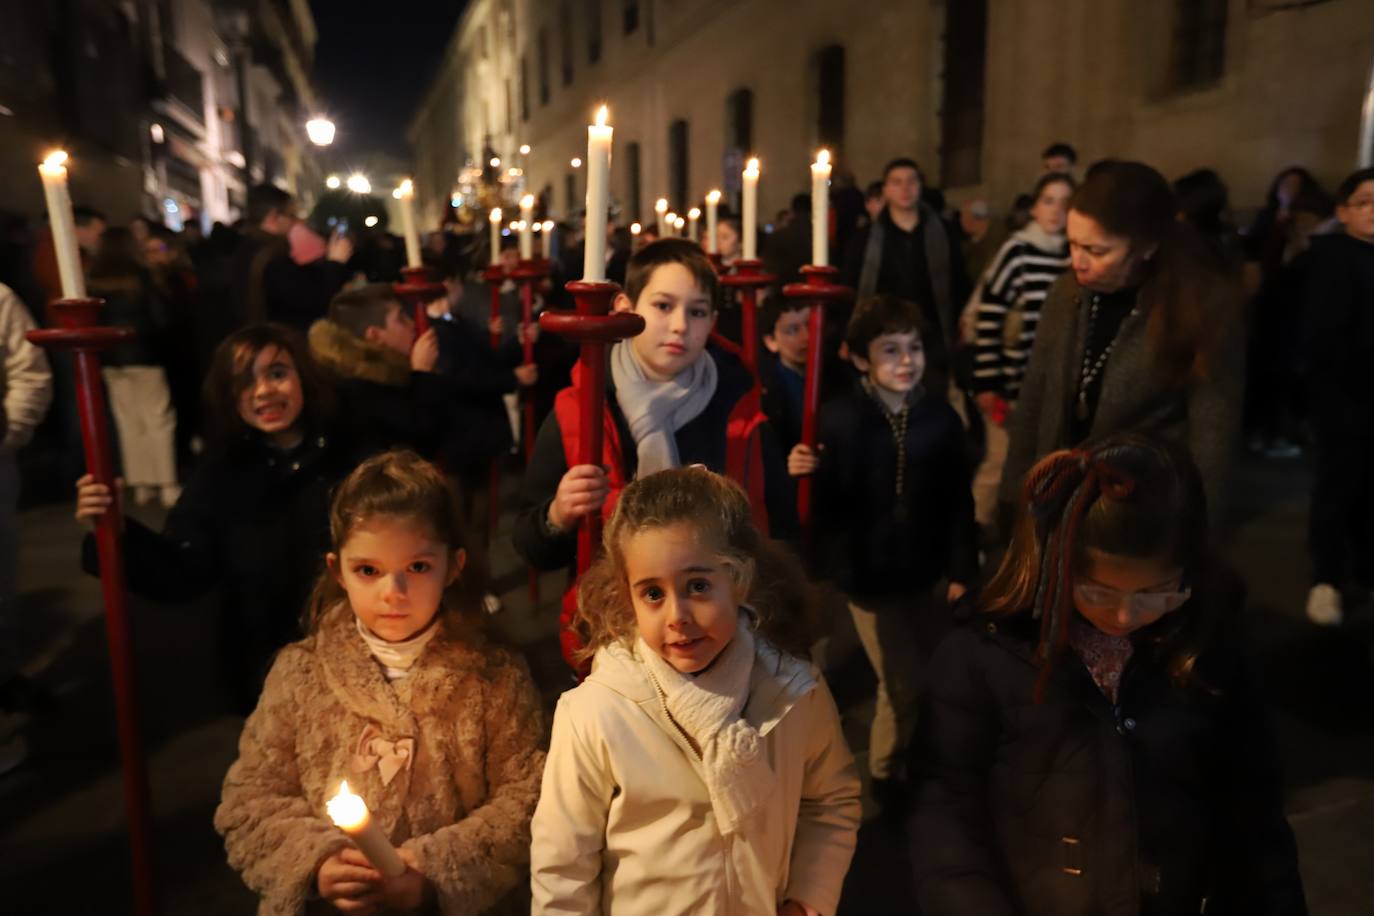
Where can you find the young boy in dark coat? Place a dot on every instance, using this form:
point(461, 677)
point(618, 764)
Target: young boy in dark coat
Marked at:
point(893, 512)
point(786, 336)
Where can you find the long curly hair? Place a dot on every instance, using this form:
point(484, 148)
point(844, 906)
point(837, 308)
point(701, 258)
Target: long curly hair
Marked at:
point(785, 605)
point(1126, 495)
point(400, 485)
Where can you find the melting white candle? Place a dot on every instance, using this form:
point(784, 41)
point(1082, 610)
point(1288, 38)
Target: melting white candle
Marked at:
point(693, 215)
point(661, 209)
point(527, 227)
point(546, 239)
point(820, 209)
point(599, 137)
point(406, 195)
point(349, 813)
point(712, 202)
point(750, 208)
point(495, 219)
point(53, 171)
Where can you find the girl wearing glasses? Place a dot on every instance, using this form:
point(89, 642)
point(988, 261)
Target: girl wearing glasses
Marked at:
point(1094, 743)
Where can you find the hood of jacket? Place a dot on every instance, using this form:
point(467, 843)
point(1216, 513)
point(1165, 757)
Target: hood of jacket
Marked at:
point(346, 355)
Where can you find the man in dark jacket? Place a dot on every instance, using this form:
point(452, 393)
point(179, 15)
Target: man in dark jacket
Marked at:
point(266, 284)
point(1340, 301)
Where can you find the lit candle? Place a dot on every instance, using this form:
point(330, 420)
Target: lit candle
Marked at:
point(546, 239)
point(750, 208)
point(679, 224)
point(661, 209)
point(53, 171)
point(527, 227)
point(598, 178)
point(636, 229)
point(693, 215)
point(406, 195)
point(820, 209)
point(349, 813)
point(670, 220)
point(495, 219)
point(712, 201)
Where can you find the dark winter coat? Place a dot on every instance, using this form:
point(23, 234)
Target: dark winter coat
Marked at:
point(780, 404)
point(477, 429)
point(253, 526)
point(1078, 807)
point(1340, 304)
point(268, 286)
point(132, 302)
point(701, 441)
point(873, 544)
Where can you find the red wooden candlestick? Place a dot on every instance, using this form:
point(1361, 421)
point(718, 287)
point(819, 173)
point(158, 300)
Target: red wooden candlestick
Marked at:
point(748, 278)
point(594, 326)
point(77, 332)
point(494, 276)
point(818, 289)
point(418, 289)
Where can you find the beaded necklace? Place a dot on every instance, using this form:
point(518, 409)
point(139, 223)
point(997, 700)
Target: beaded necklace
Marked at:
point(1091, 367)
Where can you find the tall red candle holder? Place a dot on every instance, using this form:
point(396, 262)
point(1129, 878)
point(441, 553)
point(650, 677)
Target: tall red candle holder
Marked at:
point(748, 278)
point(818, 290)
point(79, 333)
point(417, 289)
point(494, 275)
point(594, 326)
point(528, 273)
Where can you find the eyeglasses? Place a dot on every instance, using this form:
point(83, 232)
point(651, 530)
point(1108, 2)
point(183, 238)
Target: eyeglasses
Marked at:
point(1140, 603)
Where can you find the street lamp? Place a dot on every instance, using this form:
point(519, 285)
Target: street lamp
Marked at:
point(320, 131)
point(358, 183)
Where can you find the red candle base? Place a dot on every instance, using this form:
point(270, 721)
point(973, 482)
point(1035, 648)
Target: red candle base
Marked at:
point(78, 332)
point(817, 291)
point(748, 278)
point(417, 290)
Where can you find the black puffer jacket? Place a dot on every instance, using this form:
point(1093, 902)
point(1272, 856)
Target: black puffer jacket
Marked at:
point(1076, 807)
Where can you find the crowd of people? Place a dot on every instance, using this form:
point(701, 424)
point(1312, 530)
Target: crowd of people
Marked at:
point(1025, 436)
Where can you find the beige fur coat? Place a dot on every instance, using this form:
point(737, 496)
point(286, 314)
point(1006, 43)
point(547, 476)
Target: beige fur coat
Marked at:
point(462, 802)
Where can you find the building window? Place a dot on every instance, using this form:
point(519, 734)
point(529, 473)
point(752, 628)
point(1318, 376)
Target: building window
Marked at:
point(592, 15)
point(1199, 43)
point(631, 16)
point(524, 88)
point(510, 108)
point(565, 42)
point(632, 174)
point(677, 165)
point(829, 75)
point(570, 188)
point(961, 112)
point(739, 120)
point(543, 66)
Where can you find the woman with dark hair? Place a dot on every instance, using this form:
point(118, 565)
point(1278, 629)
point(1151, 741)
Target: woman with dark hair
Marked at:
point(1204, 203)
point(1094, 742)
point(1140, 335)
point(253, 522)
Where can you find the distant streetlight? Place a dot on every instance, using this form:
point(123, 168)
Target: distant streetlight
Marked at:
point(333, 182)
point(358, 183)
point(576, 162)
point(320, 131)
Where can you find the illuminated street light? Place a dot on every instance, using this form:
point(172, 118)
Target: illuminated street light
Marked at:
point(358, 183)
point(320, 131)
point(333, 182)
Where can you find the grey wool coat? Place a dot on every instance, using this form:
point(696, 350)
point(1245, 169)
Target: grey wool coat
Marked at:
point(1203, 414)
point(463, 802)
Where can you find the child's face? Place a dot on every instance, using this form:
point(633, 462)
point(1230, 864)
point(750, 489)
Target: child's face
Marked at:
point(790, 338)
point(395, 576)
point(678, 317)
point(272, 402)
point(896, 362)
point(1119, 595)
point(398, 333)
point(1357, 213)
point(684, 598)
point(727, 240)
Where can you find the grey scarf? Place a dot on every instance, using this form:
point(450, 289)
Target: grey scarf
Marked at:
point(655, 411)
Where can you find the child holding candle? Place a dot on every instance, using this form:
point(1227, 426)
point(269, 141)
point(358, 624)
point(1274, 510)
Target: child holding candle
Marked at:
point(893, 515)
point(701, 767)
point(434, 727)
point(786, 335)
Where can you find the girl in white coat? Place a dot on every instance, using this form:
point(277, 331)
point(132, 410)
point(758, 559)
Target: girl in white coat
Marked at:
point(701, 767)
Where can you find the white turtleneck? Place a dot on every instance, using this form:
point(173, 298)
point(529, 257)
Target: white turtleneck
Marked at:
point(397, 658)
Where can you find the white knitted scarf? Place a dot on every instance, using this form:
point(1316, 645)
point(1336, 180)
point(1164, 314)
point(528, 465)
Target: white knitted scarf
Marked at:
point(655, 410)
point(708, 707)
point(397, 658)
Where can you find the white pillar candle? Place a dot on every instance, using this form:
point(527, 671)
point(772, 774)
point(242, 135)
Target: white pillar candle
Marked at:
point(53, 171)
point(349, 813)
point(750, 210)
point(406, 195)
point(712, 202)
point(527, 227)
point(661, 209)
point(598, 179)
point(820, 209)
point(546, 240)
point(693, 215)
point(679, 227)
point(670, 222)
point(495, 219)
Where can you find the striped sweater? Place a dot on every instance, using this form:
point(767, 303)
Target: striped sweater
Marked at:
point(1018, 281)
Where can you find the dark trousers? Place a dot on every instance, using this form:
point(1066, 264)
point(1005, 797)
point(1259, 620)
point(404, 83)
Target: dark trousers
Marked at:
point(1341, 523)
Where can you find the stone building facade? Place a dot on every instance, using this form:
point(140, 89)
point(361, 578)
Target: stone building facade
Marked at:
point(972, 89)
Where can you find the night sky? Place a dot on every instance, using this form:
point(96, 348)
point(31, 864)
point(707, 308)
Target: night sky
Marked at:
point(374, 62)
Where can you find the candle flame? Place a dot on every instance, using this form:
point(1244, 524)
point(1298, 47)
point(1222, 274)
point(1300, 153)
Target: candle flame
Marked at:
point(537, 227)
point(56, 159)
point(346, 810)
point(548, 225)
point(602, 114)
point(661, 205)
point(752, 165)
point(694, 213)
point(636, 228)
point(713, 197)
point(495, 216)
point(407, 187)
point(397, 194)
point(823, 157)
point(679, 222)
point(527, 202)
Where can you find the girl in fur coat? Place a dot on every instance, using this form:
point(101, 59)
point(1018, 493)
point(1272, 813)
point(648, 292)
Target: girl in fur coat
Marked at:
point(435, 728)
point(700, 768)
